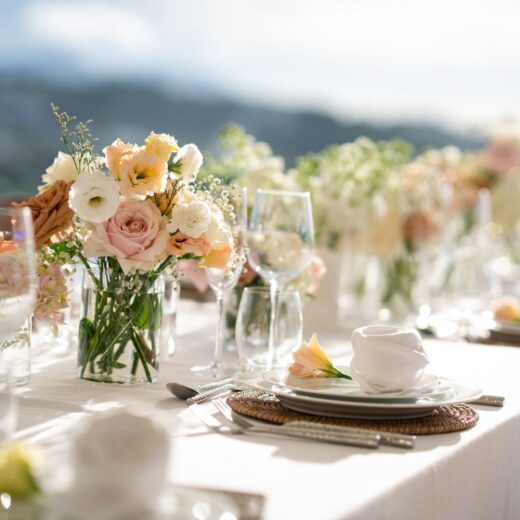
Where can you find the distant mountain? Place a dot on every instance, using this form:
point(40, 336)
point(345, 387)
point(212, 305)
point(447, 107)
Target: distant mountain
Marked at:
point(29, 137)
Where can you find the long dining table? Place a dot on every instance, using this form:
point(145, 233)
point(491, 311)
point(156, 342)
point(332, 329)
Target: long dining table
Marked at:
point(473, 474)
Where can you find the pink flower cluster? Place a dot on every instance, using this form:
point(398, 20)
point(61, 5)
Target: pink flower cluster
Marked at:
point(14, 277)
point(52, 294)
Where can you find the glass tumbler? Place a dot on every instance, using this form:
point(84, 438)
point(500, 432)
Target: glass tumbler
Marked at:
point(253, 325)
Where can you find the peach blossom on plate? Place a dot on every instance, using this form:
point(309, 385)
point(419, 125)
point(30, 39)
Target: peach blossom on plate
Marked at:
point(310, 360)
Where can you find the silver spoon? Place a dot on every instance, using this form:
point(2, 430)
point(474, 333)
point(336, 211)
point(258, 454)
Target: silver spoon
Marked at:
point(185, 392)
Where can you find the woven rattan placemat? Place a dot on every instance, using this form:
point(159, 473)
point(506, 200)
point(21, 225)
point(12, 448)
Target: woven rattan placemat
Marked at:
point(265, 406)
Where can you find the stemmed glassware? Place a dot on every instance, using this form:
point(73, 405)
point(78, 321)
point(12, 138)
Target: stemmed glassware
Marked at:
point(17, 295)
point(223, 281)
point(280, 244)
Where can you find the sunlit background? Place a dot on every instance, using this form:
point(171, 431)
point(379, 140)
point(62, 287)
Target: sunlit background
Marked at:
point(299, 75)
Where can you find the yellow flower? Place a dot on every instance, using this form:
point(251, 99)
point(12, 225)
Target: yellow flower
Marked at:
point(309, 360)
point(141, 174)
point(507, 309)
point(16, 464)
point(162, 145)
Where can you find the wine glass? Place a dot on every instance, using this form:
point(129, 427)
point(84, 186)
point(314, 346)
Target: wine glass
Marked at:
point(280, 244)
point(17, 269)
point(223, 281)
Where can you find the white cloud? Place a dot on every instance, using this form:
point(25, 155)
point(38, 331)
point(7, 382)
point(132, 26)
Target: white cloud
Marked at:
point(456, 61)
point(98, 34)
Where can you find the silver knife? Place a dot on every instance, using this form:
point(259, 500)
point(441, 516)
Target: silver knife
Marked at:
point(490, 400)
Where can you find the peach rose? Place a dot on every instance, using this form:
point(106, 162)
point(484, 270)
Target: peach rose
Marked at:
point(419, 226)
point(136, 234)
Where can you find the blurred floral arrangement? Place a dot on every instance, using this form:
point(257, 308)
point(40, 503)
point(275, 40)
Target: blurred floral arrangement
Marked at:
point(247, 162)
point(378, 199)
point(127, 216)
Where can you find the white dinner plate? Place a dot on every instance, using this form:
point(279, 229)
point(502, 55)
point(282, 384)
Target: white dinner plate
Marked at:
point(509, 327)
point(336, 388)
point(365, 409)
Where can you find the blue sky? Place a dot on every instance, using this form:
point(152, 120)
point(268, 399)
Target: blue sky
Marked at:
point(452, 62)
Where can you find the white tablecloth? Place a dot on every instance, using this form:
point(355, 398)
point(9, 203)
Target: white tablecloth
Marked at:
point(473, 475)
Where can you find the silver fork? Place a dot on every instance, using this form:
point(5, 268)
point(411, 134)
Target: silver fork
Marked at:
point(226, 426)
point(365, 439)
point(397, 440)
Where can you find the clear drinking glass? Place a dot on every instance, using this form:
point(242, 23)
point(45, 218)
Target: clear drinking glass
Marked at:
point(8, 409)
point(17, 353)
point(17, 295)
point(17, 269)
point(253, 327)
point(280, 244)
point(169, 323)
point(223, 281)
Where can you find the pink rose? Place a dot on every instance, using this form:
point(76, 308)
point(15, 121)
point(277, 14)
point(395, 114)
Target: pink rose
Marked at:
point(317, 271)
point(136, 234)
point(500, 158)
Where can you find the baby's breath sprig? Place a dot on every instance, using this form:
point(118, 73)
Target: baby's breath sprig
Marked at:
point(79, 142)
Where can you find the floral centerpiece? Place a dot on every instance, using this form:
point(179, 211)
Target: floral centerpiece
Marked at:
point(128, 217)
point(374, 206)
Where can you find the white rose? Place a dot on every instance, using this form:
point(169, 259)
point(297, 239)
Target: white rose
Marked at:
point(192, 218)
point(94, 196)
point(62, 168)
point(190, 160)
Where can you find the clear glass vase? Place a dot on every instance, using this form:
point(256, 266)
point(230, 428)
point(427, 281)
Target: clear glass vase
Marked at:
point(120, 332)
point(377, 289)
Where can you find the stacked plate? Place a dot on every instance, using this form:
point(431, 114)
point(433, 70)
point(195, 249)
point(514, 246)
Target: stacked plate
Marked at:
point(344, 398)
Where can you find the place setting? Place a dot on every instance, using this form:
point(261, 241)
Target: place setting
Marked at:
point(388, 390)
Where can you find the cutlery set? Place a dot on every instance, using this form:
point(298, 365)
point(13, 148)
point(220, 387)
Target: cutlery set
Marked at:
point(232, 423)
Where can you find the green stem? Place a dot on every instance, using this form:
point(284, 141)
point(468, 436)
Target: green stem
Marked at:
point(142, 357)
point(334, 372)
